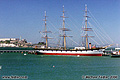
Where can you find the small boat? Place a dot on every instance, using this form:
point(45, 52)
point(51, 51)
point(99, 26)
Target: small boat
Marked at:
point(115, 54)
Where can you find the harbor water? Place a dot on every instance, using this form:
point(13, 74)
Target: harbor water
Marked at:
point(41, 67)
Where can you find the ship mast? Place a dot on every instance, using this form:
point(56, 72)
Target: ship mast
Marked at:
point(64, 29)
point(64, 34)
point(86, 28)
point(86, 35)
point(46, 37)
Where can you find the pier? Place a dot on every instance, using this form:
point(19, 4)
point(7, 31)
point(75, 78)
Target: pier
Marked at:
point(18, 51)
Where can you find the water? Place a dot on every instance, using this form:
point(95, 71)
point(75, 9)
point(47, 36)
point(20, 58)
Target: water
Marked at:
point(39, 67)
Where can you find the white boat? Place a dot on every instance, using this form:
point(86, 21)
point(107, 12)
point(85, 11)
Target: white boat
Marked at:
point(115, 54)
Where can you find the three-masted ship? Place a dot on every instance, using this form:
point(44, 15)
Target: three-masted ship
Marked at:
point(75, 52)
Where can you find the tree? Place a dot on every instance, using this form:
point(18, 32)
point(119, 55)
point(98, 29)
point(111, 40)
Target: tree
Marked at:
point(41, 43)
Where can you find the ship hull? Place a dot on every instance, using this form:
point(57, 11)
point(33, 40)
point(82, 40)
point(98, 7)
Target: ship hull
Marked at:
point(71, 53)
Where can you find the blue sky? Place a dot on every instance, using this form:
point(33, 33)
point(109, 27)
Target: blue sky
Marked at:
point(25, 18)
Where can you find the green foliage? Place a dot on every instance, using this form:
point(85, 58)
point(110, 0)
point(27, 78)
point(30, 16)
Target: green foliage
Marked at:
point(2, 42)
point(7, 41)
point(41, 43)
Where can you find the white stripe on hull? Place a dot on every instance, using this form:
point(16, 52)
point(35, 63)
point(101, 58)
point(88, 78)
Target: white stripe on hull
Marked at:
point(57, 52)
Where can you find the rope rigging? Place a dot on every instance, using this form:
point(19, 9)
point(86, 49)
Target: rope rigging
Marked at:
point(101, 34)
point(98, 25)
point(97, 30)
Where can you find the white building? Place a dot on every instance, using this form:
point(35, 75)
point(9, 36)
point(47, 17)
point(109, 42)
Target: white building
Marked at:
point(7, 45)
point(10, 39)
point(14, 42)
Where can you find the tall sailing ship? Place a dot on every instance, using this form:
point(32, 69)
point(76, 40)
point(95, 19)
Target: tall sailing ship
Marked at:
point(80, 51)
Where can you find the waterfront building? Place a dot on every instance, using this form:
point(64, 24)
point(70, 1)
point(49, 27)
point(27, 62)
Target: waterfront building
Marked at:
point(14, 42)
point(8, 39)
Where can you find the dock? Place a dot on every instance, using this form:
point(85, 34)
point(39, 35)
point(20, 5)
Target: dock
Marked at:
point(18, 51)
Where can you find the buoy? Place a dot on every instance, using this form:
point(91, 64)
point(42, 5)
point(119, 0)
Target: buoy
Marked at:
point(53, 66)
point(78, 55)
point(0, 67)
point(25, 54)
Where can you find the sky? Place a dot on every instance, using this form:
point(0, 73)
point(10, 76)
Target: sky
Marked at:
point(25, 18)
